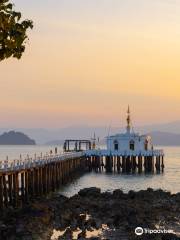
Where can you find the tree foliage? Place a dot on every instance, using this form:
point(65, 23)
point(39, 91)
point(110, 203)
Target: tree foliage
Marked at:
point(13, 32)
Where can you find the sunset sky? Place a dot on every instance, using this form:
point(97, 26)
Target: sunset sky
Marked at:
point(86, 60)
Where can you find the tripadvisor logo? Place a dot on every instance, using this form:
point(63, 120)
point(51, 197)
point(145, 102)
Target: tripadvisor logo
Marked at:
point(140, 231)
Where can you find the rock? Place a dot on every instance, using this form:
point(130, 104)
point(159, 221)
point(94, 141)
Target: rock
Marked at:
point(66, 216)
point(67, 235)
point(94, 238)
point(118, 194)
point(170, 236)
point(177, 197)
point(20, 228)
point(90, 192)
point(131, 194)
point(91, 223)
point(120, 213)
point(81, 220)
point(82, 235)
point(106, 195)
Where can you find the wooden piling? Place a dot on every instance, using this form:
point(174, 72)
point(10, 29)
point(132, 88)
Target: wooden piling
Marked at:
point(139, 165)
point(128, 164)
point(108, 163)
point(157, 165)
point(123, 164)
point(1, 192)
point(118, 164)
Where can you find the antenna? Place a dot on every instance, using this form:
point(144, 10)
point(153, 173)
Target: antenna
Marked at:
point(128, 120)
point(132, 127)
point(109, 129)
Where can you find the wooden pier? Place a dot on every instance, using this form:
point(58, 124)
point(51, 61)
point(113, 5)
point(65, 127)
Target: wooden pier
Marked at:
point(21, 181)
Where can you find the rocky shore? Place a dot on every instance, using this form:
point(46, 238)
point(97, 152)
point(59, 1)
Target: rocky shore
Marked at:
point(91, 214)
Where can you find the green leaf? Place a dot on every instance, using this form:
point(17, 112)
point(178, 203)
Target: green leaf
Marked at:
point(12, 31)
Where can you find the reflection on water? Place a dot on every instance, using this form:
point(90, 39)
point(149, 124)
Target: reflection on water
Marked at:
point(170, 180)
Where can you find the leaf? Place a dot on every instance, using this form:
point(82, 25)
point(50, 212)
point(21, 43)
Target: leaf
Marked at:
point(12, 31)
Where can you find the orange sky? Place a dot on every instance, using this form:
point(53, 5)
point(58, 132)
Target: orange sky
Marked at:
point(86, 62)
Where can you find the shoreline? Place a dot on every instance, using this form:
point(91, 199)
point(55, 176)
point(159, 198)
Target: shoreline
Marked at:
point(91, 213)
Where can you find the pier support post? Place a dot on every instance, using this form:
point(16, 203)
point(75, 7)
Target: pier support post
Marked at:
point(162, 163)
point(139, 164)
point(99, 163)
point(5, 191)
point(26, 186)
point(157, 165)
point(1, 193)
point(102, 163)
point(109, 164)
point(114, 163)
point(15, 190)
point(118, 164)
point(152, 164)
point(123, 164)
point(10, 189)
point(128, 164)
point(22, 186)
point(134, 164)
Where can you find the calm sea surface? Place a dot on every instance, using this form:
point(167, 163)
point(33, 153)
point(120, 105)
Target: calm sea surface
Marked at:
point(169, 180)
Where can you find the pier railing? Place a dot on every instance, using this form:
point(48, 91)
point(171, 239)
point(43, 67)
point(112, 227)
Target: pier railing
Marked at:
point(37, 161)
point(105, 152)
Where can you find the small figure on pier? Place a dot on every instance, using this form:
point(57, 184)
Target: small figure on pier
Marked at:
point(56, 150)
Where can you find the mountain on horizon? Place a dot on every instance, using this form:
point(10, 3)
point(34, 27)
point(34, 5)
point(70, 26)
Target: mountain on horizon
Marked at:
point(42, 136)
point(165, 138)
point(159, 138)
point(15, 138)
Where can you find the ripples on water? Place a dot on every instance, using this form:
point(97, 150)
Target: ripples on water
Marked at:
point(169, 180)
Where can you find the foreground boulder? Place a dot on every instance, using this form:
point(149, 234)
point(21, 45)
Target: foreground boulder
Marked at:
point(91, 214)
point(89, 192)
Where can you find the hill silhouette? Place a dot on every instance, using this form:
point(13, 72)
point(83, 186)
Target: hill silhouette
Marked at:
point(15, 138)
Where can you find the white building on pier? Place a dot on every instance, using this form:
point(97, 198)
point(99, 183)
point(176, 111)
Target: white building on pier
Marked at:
point(129, 141)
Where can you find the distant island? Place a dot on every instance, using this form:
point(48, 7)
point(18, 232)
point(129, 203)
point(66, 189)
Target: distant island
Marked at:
point(15, 138)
